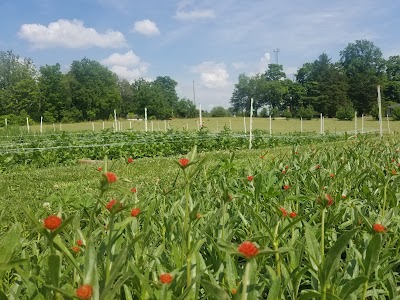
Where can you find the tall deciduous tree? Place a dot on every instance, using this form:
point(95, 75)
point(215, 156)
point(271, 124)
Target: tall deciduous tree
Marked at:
point(364, 66)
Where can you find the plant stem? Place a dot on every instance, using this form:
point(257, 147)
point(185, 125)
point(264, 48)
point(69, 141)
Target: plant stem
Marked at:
point(384, 199)
point(276, 246)
point(322, 235)
point(109, 246)
point(245, 281)
point(365, 288)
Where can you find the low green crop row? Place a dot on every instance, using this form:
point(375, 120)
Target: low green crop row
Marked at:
point(68, 148)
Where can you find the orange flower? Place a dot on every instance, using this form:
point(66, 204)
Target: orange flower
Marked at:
point(130, 160)
point(332, 175)
point(76, 249)
point(198, 216)
point(111, 177)
point(99, 169)
point(379, 228)
point(284, 212)
point(293, 215)
point(135, 212)
point(286, 187)
point(233, 291)
point(166, 278)
point(52, 222)
point(318, 167)
point(183, 162)
point(250, 178)
point(262, 156)
point(394, 172)
point(133, 190)
point(248, 249)
point(110, 205)
point(79, 242)
point(84, 292)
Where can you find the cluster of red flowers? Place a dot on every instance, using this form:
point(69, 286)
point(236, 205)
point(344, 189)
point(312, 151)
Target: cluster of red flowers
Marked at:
point(77, 247)
point(285, 213)
point(248, 249)
point(52, 222)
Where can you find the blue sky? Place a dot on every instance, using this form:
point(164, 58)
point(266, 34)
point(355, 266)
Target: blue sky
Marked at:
point(208, 41)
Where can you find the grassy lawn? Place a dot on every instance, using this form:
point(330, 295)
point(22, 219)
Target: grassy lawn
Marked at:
point(236, 124)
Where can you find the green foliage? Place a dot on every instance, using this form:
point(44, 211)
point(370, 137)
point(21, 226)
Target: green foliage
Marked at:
point(219, 111)
point(396, 113)
point(345, 113)
point(306, 113)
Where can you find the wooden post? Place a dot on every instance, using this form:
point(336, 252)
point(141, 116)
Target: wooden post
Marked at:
point(251, 123)
point(380, 111)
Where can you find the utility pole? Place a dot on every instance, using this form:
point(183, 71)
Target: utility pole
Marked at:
point(277, 50)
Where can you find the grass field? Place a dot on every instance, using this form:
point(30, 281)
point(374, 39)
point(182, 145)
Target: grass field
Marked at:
point(235, 123)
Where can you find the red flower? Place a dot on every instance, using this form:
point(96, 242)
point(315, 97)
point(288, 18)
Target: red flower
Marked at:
point(332, 175)
point(52, 222)
point(248, 249)
point(329, 200)
point(183, 162)
point(284, 212)
point(166, 278)
point(133, 190)
point(379, 228)
point(76, 249)
point(111, 177)
point(286, 187)
point(135, 212)
point(250, 178)
point(293, 215)
point(394, 172)
point(99, 169)
point(84, 292)
point(286, 167)
point(110, 205)
point(318, 167)
point(262, 156)
point(130, 160)
point(198, 216)
point(283, 172)
point(79, 242)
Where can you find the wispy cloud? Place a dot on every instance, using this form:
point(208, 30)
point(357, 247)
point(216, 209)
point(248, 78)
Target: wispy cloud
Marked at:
point(70, 34)
point(212, 74)
point(186, 11)
point(146, 27)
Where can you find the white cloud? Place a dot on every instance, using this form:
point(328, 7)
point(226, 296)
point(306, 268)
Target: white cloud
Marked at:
point(195, 14)
point(212, 75)
point(128, 65)
point(69, 34)
point(146, 27)
point(238, 65)
point(264, 62)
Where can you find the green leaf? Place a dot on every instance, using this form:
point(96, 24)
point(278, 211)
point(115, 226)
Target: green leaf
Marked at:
point(54, 271)
point(275, 289)
point(214, 291)
point(372, 254)
point(351, 286)
point(309, 294)
point(333, 256)
point(313, 247)
point(127, 292)
point(9, 242)
point(3, 296)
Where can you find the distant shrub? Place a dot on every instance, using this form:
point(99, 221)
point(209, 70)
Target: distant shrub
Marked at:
point(345, 113)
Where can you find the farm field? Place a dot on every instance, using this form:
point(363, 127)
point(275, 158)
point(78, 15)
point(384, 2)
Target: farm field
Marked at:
point(236, 124)
point(309, 220)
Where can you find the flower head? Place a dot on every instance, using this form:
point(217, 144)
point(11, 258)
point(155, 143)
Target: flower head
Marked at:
point(286, 187)
point(293, 215)
point(130, 160)
point(198, 216)
point(52, 222)
point(250, 178)
point(76, 249)
point(284, 212)
point(318, 167)
point(135, 212)
point(133, 190)
point(378, 228)
point(329, 200)
point(79, 242)
point(233, 291)
point(183, 162)
point(114, 204)
point(99, 169)
point(248, 249)
point(166, 278)
point(332, 175)
point(283, 172)
point(84, 292)
point(111, 177)
point(394, 172)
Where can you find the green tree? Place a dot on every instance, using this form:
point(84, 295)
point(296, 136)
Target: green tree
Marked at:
point(391, 89)
point(274, 73)
point(186, 109)
point(364, 66)
point(94, 89)
point(219, 111)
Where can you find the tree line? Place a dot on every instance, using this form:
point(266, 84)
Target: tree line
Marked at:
point(333, 89)
point(88, 91)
